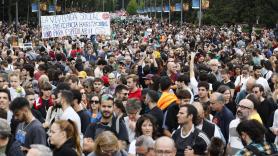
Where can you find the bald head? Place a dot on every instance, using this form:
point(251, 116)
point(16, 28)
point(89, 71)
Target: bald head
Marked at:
point(164, 140)
point(250, 83)
point(247, 103)
point(244, 109)
point(199, 107)
point(165, 145)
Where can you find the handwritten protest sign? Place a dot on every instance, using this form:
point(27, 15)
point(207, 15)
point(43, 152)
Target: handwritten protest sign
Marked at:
point(75, 24)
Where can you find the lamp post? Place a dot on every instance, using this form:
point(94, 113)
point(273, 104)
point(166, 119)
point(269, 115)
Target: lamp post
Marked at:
point(161, 14)
point(181, 12)
point(200, 13)
point(169, 12)
point(3, 13)
point(102, 5)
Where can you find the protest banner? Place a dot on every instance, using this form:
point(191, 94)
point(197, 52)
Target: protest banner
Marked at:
point(76, 24)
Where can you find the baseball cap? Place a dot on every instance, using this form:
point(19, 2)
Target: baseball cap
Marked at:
point(4, 128)
point(82, 74)
point(148, 77)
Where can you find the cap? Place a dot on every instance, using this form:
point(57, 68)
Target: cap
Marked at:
point(148, 77)
point(82, 74)
point(4, 127)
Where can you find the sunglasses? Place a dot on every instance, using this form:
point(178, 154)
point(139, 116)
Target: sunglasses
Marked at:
point(94, 101)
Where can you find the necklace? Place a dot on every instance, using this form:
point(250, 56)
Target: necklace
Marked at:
point(23, 128)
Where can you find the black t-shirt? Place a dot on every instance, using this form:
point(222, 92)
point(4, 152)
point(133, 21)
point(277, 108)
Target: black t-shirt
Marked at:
point(37, 114)
point(94, 129)
point(171, 122)
point(230, 84)
point(265, 109)
point(158, 115)
point(85, 120)
point(43, 109)
point(31, 133)
point(197, 140)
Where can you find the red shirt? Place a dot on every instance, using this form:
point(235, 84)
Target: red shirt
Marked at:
point(136, 94)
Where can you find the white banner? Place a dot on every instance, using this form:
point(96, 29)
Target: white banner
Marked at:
point(76, 24)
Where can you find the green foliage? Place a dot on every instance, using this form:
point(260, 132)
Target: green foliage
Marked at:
point(239, 11)
point(132, 7)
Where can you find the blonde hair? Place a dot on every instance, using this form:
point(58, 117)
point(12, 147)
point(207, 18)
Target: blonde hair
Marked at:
point(106, 138)
point(14, 74)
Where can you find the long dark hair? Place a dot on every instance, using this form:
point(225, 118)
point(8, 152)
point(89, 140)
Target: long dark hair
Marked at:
point(141, 120)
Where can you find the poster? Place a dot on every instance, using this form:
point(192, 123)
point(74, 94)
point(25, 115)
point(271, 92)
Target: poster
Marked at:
point(75, 24)
point(35, 7)
point(195, 4)
point(167, 8)
point(178, 7)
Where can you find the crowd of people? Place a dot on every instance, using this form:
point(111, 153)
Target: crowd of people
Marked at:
point(150, 88)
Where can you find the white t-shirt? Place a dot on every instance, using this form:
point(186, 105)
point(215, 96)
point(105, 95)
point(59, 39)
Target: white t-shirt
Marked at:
point(132, 148)
point(234, 139)
point(69, 113)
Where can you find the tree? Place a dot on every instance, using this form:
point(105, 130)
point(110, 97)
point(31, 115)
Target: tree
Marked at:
point(132, 7)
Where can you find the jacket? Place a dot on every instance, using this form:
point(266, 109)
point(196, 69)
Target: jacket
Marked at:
point(67, 149)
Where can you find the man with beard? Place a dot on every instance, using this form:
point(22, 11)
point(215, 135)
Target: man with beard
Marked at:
point(189, 139)
point(252, 135)
point(244, 110)
point(121, 92)
point(30, 130)
point(261, 80)
point(107, 123)
point(206, 126)
point(65, 98)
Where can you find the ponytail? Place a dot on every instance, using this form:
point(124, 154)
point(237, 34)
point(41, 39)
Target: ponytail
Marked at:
point(76, 137)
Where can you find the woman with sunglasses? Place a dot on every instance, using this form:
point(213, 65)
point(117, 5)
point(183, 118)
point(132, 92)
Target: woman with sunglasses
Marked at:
point(107, 144)
point(65, 139)
point(93, 110)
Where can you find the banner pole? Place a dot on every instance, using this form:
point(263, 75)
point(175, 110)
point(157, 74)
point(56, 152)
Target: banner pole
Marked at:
point(181, 12)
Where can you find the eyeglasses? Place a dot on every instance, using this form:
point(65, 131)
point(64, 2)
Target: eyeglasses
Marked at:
point(94, 101)
point(108, 151)
point(243, 107)
point(164, 152)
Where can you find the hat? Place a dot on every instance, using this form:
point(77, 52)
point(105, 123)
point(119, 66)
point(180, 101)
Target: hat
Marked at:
point(148, 77)
point(82, 74)
point(4, 128)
